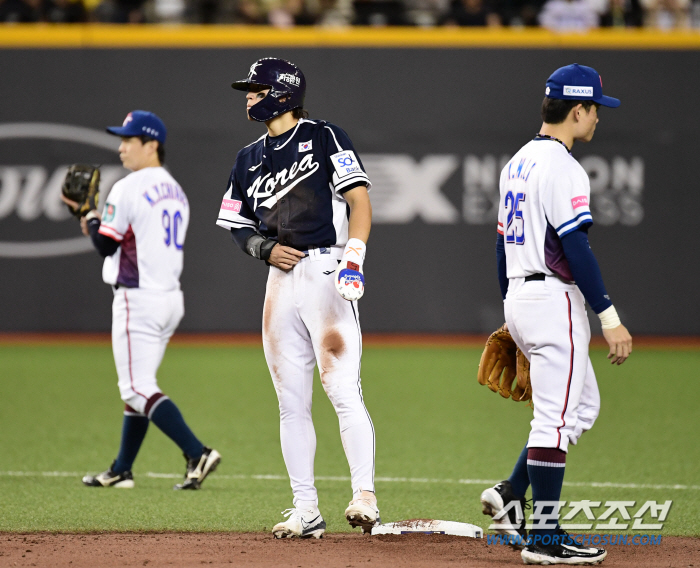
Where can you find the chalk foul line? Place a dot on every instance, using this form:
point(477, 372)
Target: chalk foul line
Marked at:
point(437, 481)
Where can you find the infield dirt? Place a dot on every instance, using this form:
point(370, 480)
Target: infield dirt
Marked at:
point(332, 551)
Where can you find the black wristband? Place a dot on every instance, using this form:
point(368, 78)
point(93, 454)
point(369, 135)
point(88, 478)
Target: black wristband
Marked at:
point(259, 247)
point(266, 248)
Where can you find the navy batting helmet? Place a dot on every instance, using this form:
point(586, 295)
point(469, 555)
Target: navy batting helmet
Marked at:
point(285, 81)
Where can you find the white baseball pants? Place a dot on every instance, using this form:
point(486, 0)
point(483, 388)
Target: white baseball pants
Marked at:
point(306, 322)
point(547, 319)
point(142, 323)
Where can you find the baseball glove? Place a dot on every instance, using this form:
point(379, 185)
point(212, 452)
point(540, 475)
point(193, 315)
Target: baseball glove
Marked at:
point(82, 185)
point(501, 364)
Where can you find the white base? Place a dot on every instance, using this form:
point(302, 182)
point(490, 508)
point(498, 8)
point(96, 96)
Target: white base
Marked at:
point(427, 526)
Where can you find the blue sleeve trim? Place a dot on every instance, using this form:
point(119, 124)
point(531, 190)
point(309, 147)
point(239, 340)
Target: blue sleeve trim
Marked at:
point(583, 214)
point(584, 222)
point(501, 264)
point(585, 270)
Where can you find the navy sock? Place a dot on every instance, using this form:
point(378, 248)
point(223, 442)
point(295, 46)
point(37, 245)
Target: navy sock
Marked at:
point(519, 479)
point(167, 416)
point(545, 466)
point(134, 430)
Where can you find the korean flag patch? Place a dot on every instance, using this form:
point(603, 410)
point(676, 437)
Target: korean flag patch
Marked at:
point(305, 146)
point(345, 163)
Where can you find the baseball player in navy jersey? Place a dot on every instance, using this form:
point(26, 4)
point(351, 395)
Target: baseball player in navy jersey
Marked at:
point(547, 272)
point(297, 199)
point(141, 236)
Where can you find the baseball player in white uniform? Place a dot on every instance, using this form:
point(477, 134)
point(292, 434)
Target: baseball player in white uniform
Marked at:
point(297, 199)
point(141, 236)
point(547, 273)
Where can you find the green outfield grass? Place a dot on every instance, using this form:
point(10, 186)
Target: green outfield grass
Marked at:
point(60, 412)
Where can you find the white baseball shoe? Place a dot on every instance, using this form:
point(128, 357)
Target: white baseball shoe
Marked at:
point(108, 478)
point(301, 523)
point(363, 512)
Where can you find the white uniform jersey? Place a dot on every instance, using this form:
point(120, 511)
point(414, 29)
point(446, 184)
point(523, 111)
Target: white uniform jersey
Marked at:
point(148, 213)
point(544, 195)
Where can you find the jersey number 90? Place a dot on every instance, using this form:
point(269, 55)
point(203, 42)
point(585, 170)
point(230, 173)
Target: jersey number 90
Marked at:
point(171, 227)
point(515, 225)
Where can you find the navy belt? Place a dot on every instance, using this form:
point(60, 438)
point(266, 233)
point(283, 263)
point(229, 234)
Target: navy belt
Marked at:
point(538, 276)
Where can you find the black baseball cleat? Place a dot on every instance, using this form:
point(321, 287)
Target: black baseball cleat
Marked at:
point(493, 501)
point(124, 480)
point(568, 542)
point(199, 468)
point(571, 553)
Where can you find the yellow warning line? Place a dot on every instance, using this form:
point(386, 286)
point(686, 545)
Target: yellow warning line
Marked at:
point(195, 36)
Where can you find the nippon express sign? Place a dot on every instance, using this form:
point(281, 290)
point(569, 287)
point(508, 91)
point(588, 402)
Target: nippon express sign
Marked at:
point(34, 222)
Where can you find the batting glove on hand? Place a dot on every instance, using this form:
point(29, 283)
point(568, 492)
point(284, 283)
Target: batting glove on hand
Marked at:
point(349, 280)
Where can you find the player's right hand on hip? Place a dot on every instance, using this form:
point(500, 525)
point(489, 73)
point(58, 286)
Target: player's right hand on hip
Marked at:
point(285, 258)
point(620, 342)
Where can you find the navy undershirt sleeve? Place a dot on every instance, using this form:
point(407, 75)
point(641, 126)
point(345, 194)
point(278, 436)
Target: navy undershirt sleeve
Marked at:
point(501, 262)
point(240, 236)
point(585, 270)
point(106, 246)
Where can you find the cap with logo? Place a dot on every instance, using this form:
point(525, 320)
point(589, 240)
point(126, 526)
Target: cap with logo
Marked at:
point(141, 123)
point(578, 83)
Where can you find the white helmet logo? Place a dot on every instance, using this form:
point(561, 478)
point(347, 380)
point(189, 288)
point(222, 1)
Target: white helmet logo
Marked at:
point(252, 70)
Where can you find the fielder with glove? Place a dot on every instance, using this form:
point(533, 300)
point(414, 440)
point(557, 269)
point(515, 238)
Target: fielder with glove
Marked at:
point(548, 274)
point(141, 236)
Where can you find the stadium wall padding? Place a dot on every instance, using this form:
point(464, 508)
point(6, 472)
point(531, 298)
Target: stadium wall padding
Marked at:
point(433, 127)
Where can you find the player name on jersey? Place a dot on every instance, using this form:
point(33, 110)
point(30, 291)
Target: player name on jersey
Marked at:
point(164, 190)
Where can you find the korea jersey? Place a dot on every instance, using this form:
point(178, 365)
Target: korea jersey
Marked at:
point(290, 187)
point(148, 213)
point(544, 195)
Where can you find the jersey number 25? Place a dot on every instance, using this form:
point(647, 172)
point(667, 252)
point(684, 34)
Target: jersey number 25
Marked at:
point(515, 226)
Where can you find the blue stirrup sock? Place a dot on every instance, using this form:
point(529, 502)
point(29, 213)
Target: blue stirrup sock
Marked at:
point(164, 414)
point(134, 430)
point(519, 479)
point(545, 466)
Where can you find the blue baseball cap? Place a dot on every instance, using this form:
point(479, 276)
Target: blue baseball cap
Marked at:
point(140, 123)
point(578, 83)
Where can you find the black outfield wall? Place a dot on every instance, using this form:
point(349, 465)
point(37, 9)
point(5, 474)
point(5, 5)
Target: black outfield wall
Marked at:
point(433, 127)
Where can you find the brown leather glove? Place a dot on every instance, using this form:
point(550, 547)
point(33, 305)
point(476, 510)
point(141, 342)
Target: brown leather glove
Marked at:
point(504, 368)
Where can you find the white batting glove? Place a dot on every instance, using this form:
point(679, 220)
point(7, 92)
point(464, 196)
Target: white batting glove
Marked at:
point(349, 280)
